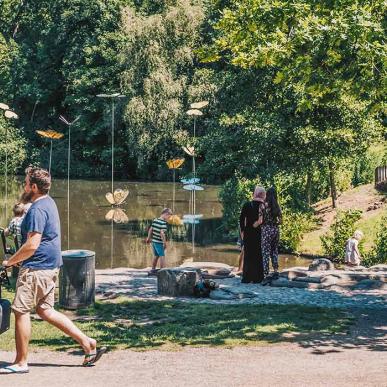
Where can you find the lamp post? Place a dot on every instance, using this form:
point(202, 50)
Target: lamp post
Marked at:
point(113, 98)
point(69, 124)
point(8, 113)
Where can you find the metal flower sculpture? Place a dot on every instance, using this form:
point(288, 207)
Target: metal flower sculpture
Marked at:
point(193, 218)
point(8, 113)
point(199, 105)
point(174, 164)
point(52, 135)
point(175, 220)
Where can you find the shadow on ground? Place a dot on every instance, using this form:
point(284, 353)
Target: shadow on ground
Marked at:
point(144, 325)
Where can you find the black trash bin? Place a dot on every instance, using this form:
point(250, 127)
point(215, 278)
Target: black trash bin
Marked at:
point(77, 279)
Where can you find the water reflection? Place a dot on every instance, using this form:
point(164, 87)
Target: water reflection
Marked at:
point(121, 244)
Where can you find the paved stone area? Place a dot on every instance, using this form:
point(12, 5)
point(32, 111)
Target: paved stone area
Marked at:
point(136, 284)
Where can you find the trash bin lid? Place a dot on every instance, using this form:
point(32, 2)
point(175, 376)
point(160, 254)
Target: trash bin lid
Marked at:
point(77, 253)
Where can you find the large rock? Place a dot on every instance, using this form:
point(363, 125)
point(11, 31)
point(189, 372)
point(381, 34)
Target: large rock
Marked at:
point(177, 281)
point(219, 294)
point(321, 264)
point(293, 273)
point(380, 267)
point(369, 284)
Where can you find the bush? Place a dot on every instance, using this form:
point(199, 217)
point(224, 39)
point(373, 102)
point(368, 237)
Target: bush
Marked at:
point(379, 253)
point(294, 225)
point(233, 194)
point(342, 228)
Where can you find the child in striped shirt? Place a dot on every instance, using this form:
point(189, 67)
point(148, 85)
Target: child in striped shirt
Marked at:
point(157, 235)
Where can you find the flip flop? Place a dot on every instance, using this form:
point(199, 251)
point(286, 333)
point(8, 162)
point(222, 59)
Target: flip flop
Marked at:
point(14, 369)
point(92, 358)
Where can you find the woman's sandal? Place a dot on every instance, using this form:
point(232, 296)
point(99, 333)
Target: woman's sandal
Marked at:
point(91, 358)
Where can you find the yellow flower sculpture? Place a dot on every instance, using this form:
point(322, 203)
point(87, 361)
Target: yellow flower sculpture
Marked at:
point(175, 163)
point(175, 220)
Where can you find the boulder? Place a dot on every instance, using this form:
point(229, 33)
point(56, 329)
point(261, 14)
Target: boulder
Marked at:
point(177, 281)
point(219, 294)
point(293, 273)
point(284, 283)
point(369, 284)
point(206, 265)
point(381, 267)
point(312, 280)
point(321, 264)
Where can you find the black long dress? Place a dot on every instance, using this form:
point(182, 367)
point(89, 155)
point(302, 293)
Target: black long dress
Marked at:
point(253, 262)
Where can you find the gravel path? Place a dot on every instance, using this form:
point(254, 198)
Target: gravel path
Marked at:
point(281, 365)
point(136, 284)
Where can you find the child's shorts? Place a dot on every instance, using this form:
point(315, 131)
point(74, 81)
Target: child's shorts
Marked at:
point(158, 249)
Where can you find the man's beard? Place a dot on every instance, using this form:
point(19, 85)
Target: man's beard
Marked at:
point(27, 196)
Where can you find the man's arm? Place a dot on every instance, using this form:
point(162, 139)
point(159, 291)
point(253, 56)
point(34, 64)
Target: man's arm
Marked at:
point(26, 251)
point(148, 239)
point(163, 237)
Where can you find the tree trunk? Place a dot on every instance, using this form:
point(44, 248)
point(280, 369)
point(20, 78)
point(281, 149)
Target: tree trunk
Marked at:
point(309, 187)
point(332, 184)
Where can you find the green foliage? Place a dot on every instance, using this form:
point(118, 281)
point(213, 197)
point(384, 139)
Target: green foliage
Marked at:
point(233, 194)
point(379, 254)
point(13, 143)
point(341, 229)
point(294, 225)
point(158, 61)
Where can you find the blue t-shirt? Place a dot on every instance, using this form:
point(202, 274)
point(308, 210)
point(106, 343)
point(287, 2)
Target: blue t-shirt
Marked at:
point(43, 217)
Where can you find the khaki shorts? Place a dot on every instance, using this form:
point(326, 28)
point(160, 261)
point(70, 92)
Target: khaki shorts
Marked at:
point(35, 288)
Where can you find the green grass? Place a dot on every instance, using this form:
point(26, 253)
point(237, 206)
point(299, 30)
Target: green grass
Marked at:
point(170, 325)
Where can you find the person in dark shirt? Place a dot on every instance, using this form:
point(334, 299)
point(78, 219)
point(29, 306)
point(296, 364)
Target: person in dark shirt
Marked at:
point(250, 221)
point(40, 257)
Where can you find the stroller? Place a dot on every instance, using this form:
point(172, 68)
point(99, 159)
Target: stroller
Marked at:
point(5, 305)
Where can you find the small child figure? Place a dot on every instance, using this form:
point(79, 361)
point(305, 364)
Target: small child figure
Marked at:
point(352, 253)
point(156, 235)
point(14, 227)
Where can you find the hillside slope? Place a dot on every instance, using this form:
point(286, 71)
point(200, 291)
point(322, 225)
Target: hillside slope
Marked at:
point(360, 198)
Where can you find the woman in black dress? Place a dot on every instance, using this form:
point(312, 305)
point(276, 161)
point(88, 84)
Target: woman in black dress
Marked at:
point(250, 222)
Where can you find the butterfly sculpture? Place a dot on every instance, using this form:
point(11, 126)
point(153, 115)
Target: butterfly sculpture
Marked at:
point(175, 163)
point(51, 134)
point(118, 197)
point(190, 150)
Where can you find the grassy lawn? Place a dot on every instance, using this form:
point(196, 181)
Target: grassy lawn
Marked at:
point(170, 325)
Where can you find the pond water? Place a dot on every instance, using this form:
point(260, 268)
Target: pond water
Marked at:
point(122, 245)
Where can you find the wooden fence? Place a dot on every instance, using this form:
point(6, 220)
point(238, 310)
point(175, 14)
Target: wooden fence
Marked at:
point(381, 176)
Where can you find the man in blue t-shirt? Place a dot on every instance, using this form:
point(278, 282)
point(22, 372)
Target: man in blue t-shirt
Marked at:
point(40, 257)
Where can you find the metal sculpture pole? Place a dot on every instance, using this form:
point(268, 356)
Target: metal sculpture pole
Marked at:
point(8, 113)
point(69, 124)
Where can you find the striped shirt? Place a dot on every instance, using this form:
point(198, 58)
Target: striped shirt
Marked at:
point(14, 227)
point(158, 224)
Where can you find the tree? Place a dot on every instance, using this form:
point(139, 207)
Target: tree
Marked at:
point(158, 61)
point(325, 58)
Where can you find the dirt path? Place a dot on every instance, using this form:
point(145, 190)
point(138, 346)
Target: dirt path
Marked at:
point(355, 359)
